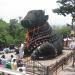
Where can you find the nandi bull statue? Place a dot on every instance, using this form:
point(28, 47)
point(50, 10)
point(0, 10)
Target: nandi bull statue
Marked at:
point(41, 40)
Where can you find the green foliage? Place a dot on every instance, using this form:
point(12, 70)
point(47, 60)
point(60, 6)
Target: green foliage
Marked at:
point(11, 33)
point(64, 31)
point(3, 26)
point(65, 7)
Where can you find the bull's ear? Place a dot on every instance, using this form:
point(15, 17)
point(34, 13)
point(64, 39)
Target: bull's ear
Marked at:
point(46, 17)
point(22, 23)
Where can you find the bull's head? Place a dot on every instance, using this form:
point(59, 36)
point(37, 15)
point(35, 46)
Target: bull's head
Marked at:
point(34, 18)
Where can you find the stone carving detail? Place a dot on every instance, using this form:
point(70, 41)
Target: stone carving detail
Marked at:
point(41, 40)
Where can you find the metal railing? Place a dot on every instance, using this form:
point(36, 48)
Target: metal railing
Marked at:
point(35, 68)
point(60, 65)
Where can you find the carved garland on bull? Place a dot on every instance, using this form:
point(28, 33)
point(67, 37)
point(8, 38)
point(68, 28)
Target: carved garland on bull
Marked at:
point(41, 40)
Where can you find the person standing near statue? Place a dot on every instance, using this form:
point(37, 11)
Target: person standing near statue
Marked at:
point(21, 50)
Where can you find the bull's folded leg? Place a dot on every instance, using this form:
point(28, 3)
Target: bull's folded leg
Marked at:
point(46, 50)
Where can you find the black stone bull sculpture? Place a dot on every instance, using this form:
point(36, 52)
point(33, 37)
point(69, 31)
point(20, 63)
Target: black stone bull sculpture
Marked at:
point(41, 40)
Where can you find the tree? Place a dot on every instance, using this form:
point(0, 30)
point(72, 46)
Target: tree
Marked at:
point(16, 30)
point(11, 33)
point(12, 27)
point(64, 30)
point(66, 7)
point(3, 32)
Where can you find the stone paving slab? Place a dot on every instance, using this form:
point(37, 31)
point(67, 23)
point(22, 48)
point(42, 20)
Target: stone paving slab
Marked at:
point(68, 70)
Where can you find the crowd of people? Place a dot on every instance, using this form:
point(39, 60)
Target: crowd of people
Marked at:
point(14, 63)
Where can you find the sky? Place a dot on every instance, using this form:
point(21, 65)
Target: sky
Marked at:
point(10, 9)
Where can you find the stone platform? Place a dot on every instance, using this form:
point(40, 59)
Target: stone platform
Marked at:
point(50, 62)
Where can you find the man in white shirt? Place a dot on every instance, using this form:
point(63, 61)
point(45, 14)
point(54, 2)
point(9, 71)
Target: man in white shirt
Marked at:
point(21, 50)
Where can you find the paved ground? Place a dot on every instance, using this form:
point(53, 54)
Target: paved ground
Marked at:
point(68, 70)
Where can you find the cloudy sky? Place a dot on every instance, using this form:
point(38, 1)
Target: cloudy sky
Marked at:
point(14, 8)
